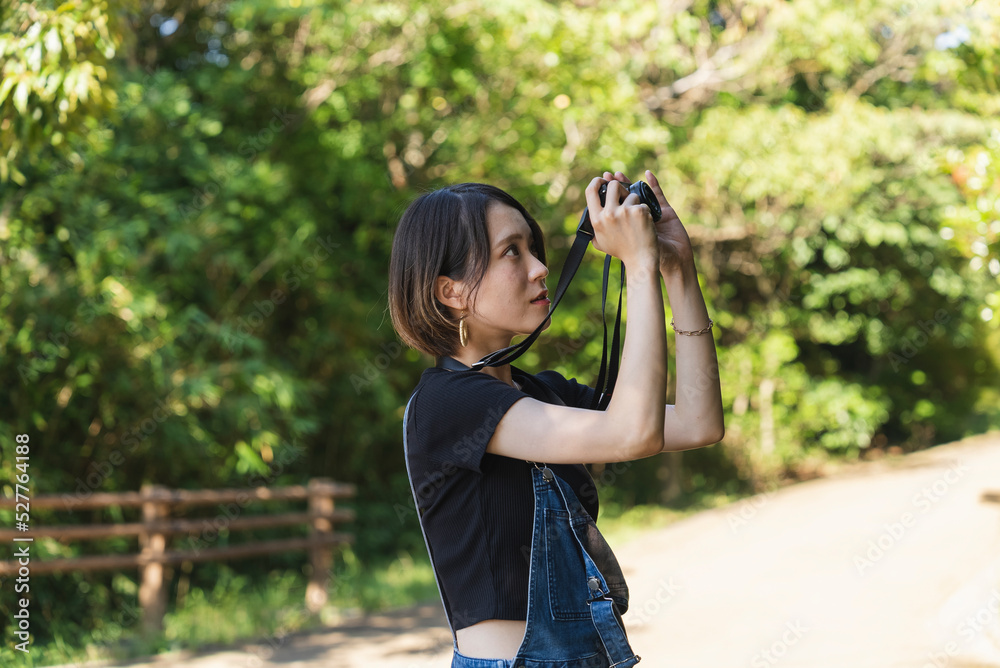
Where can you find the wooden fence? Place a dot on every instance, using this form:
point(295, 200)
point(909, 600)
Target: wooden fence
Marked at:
point(153, 531)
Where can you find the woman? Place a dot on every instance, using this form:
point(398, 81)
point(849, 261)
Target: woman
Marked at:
point(468, 274)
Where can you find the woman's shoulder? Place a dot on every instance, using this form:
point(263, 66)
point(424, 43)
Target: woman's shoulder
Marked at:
point(462, 396)
point(453, 414)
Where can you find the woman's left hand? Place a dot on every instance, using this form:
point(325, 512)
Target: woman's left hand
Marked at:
point(676, 253)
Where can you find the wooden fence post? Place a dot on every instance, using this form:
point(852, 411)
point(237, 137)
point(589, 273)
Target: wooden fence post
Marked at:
point(152, 592)
point(320, 556)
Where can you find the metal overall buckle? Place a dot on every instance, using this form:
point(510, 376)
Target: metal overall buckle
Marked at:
point(547, 473)
point(598, 593)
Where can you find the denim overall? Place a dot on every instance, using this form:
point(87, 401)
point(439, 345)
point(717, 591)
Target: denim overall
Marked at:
point(572, 619)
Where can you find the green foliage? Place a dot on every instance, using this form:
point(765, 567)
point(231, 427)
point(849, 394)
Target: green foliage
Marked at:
point(195, 235)
point(56, 72)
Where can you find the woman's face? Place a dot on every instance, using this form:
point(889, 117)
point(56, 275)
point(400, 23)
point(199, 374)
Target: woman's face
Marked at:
point(515, 277)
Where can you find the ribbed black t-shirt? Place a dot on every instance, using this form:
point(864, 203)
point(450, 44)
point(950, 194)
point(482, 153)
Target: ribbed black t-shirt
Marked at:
point(477, 508)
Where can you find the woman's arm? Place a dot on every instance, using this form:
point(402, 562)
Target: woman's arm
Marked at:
point(637, 401)
point(696, 420)
point(632, 425)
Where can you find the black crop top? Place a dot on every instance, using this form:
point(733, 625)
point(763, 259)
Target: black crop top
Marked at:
point(477, 508)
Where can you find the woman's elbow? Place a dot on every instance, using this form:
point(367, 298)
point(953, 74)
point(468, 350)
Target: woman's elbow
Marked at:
point(708, 431)
point(692, 441)
point(711, 436)
point(647, 445)
point(716, 436)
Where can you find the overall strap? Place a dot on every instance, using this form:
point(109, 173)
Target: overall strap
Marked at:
point(602, 611)
point(416, 504)
point(615, 643)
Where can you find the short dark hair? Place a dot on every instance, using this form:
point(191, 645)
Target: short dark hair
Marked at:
point(443, 233)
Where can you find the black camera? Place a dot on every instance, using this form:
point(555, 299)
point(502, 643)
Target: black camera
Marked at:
point(640, 188)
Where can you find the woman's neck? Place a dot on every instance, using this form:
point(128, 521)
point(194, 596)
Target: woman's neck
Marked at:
point(501, 373)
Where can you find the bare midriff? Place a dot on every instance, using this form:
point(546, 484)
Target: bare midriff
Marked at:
point(491, 639)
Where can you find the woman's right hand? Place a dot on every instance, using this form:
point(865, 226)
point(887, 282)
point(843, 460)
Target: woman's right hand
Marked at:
point(624, 230)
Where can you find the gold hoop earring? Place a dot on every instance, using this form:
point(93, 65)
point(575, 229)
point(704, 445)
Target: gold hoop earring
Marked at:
point(463, 332)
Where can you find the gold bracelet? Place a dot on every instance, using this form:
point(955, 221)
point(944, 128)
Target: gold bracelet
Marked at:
point(700, 331)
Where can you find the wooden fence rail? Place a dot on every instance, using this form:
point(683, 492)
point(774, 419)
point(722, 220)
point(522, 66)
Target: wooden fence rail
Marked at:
point(153, 531)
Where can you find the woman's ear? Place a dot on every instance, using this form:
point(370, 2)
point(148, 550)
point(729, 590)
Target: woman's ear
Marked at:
point(449, 292)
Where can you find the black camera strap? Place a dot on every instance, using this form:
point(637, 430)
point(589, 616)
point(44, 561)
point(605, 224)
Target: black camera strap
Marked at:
point(605, 386)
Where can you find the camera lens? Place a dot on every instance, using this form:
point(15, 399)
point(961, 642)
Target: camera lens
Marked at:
point(644, 192)
point(647, 197)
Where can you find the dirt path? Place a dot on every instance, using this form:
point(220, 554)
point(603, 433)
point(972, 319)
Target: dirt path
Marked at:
point(882, 565)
